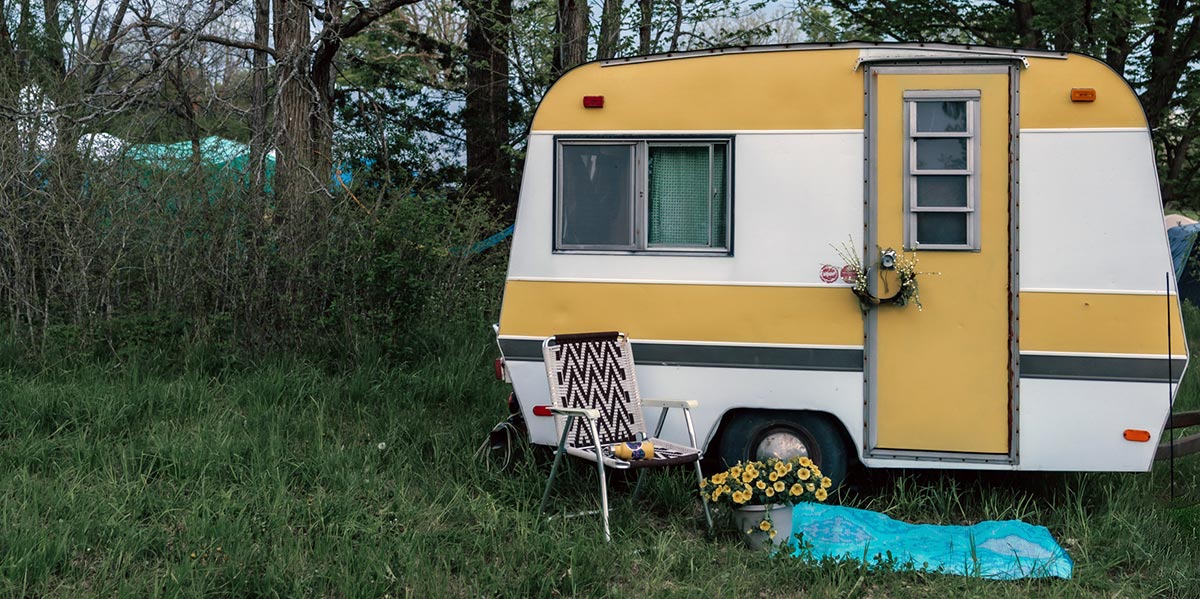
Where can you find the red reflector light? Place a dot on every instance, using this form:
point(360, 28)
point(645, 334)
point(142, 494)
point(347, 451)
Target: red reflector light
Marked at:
point(593, 101)
point(541, 410)
point(499, 368)
point(1137, 435)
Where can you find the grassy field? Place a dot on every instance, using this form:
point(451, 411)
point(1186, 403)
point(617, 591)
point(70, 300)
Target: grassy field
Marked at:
point(286, 480)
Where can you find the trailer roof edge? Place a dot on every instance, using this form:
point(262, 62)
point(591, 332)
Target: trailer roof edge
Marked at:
point(969, 50)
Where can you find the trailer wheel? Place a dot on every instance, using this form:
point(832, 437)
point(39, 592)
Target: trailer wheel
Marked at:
point(760, 435)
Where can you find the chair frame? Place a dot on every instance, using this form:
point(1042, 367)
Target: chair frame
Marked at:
point(565, 418)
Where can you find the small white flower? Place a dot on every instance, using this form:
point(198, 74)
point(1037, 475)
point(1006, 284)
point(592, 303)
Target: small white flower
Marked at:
point(382, 446)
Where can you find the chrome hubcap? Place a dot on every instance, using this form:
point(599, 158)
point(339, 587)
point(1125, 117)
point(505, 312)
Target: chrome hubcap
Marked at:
point(782, 445)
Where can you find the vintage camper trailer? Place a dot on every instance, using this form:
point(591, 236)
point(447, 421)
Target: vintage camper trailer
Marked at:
point(697, 201)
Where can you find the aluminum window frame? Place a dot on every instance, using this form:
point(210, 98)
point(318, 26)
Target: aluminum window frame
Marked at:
point(559, 182)
point(911, 173)
point(640, 193)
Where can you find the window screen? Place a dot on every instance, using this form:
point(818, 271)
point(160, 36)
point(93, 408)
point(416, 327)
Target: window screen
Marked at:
point(941, 178)
point(686, 199)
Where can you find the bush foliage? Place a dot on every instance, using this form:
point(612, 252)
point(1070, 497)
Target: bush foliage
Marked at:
point(187, 265)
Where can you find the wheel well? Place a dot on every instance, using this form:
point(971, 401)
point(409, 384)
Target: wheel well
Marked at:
point(715, 440)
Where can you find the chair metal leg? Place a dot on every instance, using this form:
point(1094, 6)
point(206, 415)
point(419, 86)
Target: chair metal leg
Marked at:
point(603, 481)
point(704, 498)
point(558, 454)
point(604, 499)
point(691, 429)
point(637, 489)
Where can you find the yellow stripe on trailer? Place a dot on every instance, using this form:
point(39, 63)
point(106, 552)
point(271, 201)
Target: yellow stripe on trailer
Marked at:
point(1099, 323)
point(684, 312)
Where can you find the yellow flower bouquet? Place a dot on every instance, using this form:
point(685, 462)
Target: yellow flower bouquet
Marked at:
point(771, 482)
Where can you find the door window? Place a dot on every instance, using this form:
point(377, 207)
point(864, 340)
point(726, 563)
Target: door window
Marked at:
point(941, 176)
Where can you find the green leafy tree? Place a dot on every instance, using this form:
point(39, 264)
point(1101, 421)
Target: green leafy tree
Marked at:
point(1154, 45)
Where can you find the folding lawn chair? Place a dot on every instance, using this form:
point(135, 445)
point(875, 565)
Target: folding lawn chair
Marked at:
point(596, 406)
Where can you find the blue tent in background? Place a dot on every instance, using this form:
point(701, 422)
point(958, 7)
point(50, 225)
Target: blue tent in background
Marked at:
point(219, 154)
point(214, 151)
point(223, 154)
point(233, 158)
point(1187, 264)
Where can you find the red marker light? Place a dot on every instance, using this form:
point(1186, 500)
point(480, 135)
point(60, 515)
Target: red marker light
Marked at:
point(498, 365)
point(541, 410)
point(593, 101)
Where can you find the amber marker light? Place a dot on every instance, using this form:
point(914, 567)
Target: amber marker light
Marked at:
point(1083, 94)
point(593, 101)
point(1140, 436)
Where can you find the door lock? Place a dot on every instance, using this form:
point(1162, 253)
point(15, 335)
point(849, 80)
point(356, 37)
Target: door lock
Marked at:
point(887, 259)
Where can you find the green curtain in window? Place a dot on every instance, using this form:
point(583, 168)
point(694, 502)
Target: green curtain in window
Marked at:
point(687, 202)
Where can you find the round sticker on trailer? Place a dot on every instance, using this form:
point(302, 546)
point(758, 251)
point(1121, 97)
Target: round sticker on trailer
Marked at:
point(829, 273)
point(849, 275)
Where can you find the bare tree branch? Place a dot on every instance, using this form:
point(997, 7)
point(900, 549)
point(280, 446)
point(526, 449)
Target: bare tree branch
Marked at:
point(204, 37)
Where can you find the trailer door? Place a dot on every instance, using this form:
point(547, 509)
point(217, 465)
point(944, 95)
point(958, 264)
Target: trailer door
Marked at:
point(939, 380)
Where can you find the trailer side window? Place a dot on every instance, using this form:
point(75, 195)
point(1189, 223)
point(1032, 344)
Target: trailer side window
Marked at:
point(941, 183)
point(597, 179)
point(643, 196)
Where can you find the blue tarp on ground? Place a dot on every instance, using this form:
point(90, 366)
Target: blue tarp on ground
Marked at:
point(999, 550)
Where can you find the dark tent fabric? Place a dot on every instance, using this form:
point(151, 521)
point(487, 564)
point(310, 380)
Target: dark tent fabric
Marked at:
point(1187, 264)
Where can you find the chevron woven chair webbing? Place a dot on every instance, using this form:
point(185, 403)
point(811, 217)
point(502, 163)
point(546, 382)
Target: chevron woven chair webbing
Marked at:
point(598, 374)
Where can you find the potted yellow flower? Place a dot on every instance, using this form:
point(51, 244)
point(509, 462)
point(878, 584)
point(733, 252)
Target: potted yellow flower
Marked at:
point(762, 494)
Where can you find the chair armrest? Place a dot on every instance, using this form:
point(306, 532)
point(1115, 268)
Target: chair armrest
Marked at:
point(687, 404)
point(589, 413)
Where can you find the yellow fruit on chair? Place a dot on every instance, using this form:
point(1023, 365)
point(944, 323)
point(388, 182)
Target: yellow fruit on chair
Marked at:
point(634, 451)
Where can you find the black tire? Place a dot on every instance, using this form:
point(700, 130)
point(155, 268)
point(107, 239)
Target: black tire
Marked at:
point(820, 435)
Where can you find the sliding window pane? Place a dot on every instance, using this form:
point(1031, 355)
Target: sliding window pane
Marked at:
point(597, 196)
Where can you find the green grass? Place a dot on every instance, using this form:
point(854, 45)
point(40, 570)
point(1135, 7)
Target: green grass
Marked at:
point(271, 482)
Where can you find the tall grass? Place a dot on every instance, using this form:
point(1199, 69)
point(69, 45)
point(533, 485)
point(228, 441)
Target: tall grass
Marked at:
point(291, 480)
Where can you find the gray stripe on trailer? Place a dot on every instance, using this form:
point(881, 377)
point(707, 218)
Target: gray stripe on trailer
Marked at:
point(717, 356)
point(1096, 368)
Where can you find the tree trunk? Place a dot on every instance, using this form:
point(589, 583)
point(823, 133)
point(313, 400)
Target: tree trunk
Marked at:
point(644, 29)
point(322, 116)
point(486, 113)
point(186, 110)
point(571, 25)
point(678, 26)
point(8, 86)
point(56, 83)
point(296, 181)
point(1029, 36)
point(610, 30)
point(1172, 45)
point(1175, 157)
point(258, 112)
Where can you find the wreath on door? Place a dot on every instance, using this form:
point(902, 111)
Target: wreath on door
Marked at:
point(897, 273)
